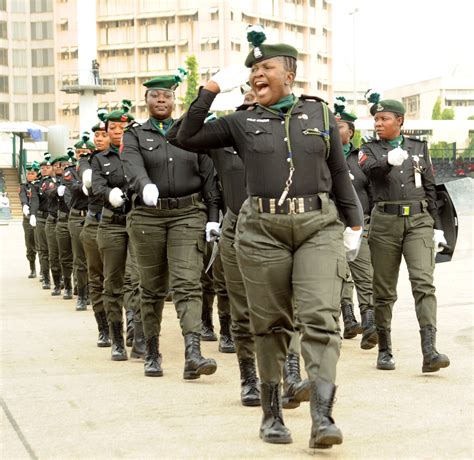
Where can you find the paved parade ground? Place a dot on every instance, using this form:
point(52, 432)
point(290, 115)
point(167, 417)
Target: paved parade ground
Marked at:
point(62, 397)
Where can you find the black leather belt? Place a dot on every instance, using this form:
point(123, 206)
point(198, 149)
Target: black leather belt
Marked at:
point(174, 203)
point(290, 205)
point(403, 210)
point(63, 216)
point(42, 214)
point(78, 212)
point(52, 218)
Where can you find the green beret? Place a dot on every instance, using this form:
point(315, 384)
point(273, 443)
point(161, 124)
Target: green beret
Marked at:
point(256, 36)
point(62, 158)
point(84, 142)
point(346, 116)
point(388, 105)
point(122, 114)
point(33, 166)
point(169, 82)
point(340, 110)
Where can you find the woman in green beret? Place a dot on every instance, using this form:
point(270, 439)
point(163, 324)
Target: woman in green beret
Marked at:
point(289, 239)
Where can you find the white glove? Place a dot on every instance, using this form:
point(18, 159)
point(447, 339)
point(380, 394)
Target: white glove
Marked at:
point(61, 189)
point(397, 156)
point(351, 238)
point(33, 221)
point(150, 194)
point(85, 191)
point(212, 226)
point(438, 239)
point(26, 210)
point(231, 77)
point(116, 197)
point(87, 177)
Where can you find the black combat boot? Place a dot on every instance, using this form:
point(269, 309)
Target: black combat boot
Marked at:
point(104, 338)
point(130, 331)
point(138, 347)
point(369, 332)
point(385, 359)
point(153, 358)
point(226, 342)
point(273, 429)
point(432, 360)
point(351, 325)
point(32, 269)
point(324, 432)
point(67, 289)
point(119, 353)
point(45, 283)
point(295, 389)
point(250, 388)
point(88, 297)
point(207, 328)
point(75, 290)
point(57, 285)
point(195, 364)
point(81, 303)
point(40, 278)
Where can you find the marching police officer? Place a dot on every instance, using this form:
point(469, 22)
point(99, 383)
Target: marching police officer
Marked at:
point(109, 183)
point(27, 198)
point(167, 225)
point(404, 221)
point(361, 267)
point(87, 151)
point(289, 239)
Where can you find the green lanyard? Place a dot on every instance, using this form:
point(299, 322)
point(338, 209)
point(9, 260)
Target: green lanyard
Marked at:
point(289, 158)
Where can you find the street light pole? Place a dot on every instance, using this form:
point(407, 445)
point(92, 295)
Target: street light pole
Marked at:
point(353, 14)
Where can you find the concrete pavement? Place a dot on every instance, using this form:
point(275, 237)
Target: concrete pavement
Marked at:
point(62, 397)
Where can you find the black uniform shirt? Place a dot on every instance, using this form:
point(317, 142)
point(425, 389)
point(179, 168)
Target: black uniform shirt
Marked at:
point(108, 173)
point(150, 159)
point(94, 202)
point(360, 181)
point(49, 191)
point(397, 183)
point(27, 195)
point(38, 191)
point(72, 180)
point(260, 139)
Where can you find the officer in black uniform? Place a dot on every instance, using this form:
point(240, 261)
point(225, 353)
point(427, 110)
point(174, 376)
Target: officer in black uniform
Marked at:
point(77, 215)
point(405, 221)
point(87, 151)
point(26, 198)
point(38, 218)
point(289, 239)
point(361, 267)
point(167, 225)
point(109, 182)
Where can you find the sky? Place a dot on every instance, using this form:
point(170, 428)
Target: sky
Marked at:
point(402, 41)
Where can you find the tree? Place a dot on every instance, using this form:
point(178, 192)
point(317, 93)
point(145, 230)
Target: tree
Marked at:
point(447, 114)
point(436, 115)
point(356, 140)
point(471, 117)
point(192, 81)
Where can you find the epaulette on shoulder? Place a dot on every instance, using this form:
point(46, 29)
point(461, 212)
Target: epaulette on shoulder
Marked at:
point(133, 124)
point(415, 139)
point(309, 98)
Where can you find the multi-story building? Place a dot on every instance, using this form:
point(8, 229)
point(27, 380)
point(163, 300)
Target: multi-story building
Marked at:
point(455, 91)
point(140, 39)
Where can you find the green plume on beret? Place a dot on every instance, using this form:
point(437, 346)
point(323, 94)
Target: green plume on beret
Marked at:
point(339, 104)
point(256, 34)
point(34, 166)
point(85, 136)
point(102, 114)
point(126, 105)
point(180, 75)
point(372, 97)
point(47, 156)
point(70, 152)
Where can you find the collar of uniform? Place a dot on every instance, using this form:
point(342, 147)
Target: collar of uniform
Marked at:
point(111, 150)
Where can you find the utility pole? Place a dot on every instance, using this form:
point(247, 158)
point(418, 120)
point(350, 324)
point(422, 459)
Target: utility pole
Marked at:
point(354, 74)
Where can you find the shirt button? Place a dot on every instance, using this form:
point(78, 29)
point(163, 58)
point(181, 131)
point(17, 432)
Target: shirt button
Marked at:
point(282, 122)
point(256, 132)
point(150, 148)
point(285, 139)
point(401, 172)
point(171, 159)
point(403, 185)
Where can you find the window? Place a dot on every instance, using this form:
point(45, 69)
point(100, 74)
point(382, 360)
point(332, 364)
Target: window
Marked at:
point(4, 111)
point(41, 30)
point(41, 6)
point(43, 84)
point(19, 31)
point(20, 85)
point(3, 56)
point(3, 29)
point(21, 112)
point(42, 57)
point(18, 6)
point(64, 25)
point(3, 84)
point(325, 5)
point(235, 46)
point(43, 111)
point(214, 15)
point(19, 58)
point(412, 103)
point(3, 5)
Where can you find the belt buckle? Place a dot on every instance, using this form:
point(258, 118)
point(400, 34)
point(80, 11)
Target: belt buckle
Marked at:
point(404, 211)
point(172, 203)
point(292, 206)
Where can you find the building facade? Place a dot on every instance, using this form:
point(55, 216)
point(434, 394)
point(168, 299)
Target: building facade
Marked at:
point(140, 39)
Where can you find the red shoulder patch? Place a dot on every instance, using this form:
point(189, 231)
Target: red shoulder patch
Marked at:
point(68, 176)
point(121, 148)
point(362, 157)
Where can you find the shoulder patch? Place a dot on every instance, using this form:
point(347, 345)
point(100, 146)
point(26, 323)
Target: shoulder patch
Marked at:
point(307, 97)
point(133, 124)
point(362, 157)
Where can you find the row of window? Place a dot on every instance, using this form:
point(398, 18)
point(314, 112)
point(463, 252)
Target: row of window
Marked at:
point(43, 57)
point(42, 111)
point(36, 6)
point(41, 84)
point(42, 30)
